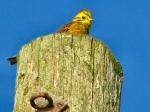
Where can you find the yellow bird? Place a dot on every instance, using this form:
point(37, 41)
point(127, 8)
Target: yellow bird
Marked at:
point(80, 24)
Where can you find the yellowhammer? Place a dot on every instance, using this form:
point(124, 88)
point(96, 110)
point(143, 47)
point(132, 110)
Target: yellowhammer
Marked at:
point(80, 24)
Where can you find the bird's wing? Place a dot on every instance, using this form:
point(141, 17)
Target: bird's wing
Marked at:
point(65, 28)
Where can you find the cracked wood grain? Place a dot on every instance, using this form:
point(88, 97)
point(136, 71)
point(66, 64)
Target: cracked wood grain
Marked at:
point(79, 70)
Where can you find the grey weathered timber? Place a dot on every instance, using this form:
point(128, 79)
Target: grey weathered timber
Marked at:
point(79, 70)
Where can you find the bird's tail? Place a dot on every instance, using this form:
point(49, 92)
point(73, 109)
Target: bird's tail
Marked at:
point(12, 60)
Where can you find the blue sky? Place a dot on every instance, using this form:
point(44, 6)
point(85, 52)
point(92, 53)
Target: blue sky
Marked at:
point(124, 25)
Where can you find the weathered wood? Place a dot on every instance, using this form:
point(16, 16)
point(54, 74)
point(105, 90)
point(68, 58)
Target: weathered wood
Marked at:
point(79, 70)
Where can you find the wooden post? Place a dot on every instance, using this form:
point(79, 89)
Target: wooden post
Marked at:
point(78, 71)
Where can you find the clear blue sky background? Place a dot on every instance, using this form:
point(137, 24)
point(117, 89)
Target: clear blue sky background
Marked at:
point(124, 25)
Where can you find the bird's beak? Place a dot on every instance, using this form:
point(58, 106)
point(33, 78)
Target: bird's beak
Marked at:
point(91, 19)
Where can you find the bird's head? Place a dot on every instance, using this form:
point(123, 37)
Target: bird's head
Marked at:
point(84, 16)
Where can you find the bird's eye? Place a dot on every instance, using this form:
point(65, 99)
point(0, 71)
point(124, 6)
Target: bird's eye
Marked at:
point(83, 17)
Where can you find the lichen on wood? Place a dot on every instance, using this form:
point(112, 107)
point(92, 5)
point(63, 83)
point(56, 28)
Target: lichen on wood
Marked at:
point(79, 70)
